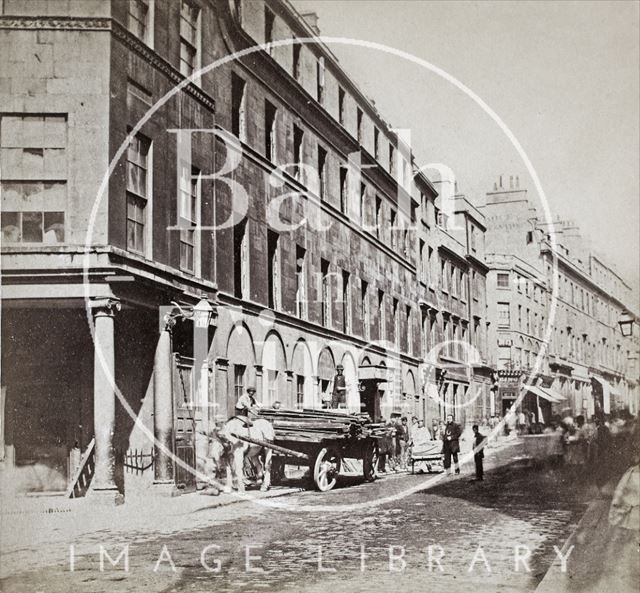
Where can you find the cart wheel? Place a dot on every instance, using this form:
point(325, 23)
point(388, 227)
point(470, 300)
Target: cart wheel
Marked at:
point(326, 468)
point(370, 462)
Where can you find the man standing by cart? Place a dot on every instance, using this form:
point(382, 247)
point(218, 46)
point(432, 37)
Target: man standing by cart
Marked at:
point(339, 395)
point(451, 444)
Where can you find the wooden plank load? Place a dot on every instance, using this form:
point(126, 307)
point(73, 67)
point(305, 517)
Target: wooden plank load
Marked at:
point(318, 425)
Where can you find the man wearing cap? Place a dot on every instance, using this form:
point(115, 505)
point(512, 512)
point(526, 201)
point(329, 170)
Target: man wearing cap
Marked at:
point(247, 404)
point(339, 395)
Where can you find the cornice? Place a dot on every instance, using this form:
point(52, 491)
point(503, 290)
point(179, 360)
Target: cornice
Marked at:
point(119, 32)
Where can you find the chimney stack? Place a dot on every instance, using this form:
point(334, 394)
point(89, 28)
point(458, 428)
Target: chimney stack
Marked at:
point(311, 19)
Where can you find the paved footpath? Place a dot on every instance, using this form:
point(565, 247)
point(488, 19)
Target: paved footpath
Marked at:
point(517, 505)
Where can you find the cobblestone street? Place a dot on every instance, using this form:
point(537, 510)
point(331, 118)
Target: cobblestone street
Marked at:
point(517, 505)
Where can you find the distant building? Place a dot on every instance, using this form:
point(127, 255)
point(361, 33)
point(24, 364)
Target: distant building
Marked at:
point(577, 361)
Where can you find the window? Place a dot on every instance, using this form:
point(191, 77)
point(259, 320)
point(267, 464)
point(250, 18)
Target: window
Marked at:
point(320, 80)
point(453, 288)
point(322, 172)
point(529, 237)
point(430, 265)
point(378, 217)
point(346, 301)
point(409, 331)
point(189, 219)
point(341, 105)
point(239, 371)
point(300, 391)
point(520, 317)
point(359, 125)
point(189, 39)
point(396, 322)
point(472, 238)
point(504, 357)
point(344, 190)
point(504, 316)
point(138, 192)
point(423, 261)
point(443, 276)
point(301, 282)
point(366, 309)
point(503, 280)
point(241, 259)
point(363, 203)
point(238, 107)
point(139, 19)
point(376, 143)
point(297, 48)
point(325, 292)
point(33, 162)
point(298, 137)
point(392, 229)
point(391, 159)
point(273, 268)
point(269, 21)
point(382, 327)
point(528, 320)
point(463, 286)
point(270, 113)
point(272, 386)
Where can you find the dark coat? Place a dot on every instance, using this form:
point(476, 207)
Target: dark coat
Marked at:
point(477, 442)
point(451, 436)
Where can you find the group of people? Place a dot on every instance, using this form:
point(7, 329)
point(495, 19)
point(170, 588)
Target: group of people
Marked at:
point(402, 438)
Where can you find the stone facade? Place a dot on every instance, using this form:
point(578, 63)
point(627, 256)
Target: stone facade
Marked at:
point(332, 255)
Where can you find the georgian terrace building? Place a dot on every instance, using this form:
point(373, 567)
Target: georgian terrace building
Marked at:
point(586, 364)
point(287, 231)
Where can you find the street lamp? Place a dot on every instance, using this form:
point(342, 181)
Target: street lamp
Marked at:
point(202, 313)
point(626, 323)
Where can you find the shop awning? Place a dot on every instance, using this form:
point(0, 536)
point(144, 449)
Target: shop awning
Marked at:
point(607, 391)
point(545, 394)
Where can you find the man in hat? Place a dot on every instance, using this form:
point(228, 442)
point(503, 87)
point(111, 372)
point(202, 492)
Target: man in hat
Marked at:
point(247, 404)
point(339, 395)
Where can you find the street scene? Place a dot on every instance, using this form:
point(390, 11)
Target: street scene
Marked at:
point(534, 506)
point(316, 295)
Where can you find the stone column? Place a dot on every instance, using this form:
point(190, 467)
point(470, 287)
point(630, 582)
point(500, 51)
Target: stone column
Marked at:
point(104, 397)
point(163, 409)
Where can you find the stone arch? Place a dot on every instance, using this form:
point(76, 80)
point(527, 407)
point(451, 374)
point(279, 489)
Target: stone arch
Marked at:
point(326, 373)
point(274, 367)
point(241, 355)
point(351, 380)
point(409, 389)
point(302, 369)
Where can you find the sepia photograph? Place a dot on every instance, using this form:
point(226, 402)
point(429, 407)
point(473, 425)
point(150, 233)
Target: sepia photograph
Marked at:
point(320, 296)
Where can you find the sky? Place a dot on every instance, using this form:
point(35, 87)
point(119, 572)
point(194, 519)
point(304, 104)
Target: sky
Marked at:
point(563, 76)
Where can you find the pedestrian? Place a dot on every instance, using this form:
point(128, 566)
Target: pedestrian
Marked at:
point(602, 457)
point(402, 440)
point(451, 444)
point(478, 451)
point(339, 395)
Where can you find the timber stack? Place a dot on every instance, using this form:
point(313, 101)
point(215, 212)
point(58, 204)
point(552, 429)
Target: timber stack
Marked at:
point(317, 425)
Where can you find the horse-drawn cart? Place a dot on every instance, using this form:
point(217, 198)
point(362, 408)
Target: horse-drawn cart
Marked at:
point(325, 441)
